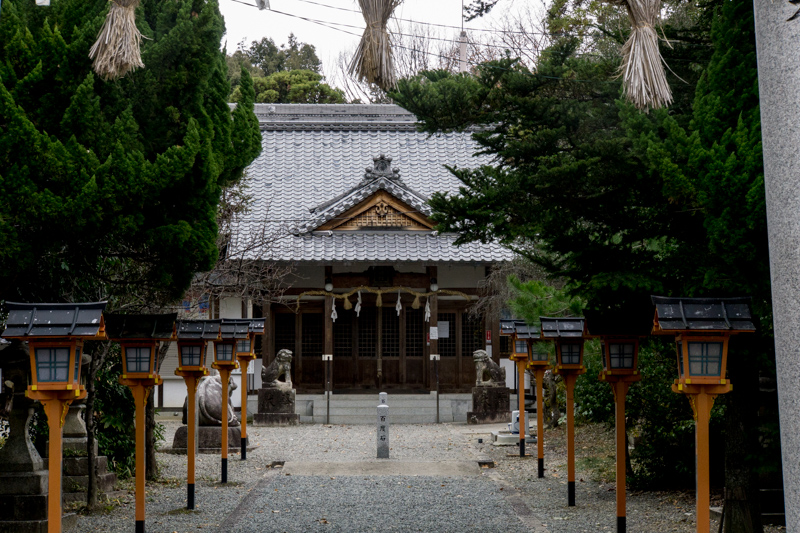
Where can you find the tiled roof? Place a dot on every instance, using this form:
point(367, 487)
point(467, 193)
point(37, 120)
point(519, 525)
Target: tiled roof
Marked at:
point(312, 167)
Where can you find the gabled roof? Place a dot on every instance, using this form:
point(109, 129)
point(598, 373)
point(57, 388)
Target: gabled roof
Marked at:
point(725, 314)
point(381, 177)
point(311, 169)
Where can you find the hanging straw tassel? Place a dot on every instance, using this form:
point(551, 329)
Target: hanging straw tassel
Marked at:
point(347, 304)
point(643, 77)
point(379, 301)
point(415, 305)
point(372, 61)
point(116, 51)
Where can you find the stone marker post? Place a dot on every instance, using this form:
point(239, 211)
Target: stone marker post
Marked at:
point(383, 428)
point(779, 90)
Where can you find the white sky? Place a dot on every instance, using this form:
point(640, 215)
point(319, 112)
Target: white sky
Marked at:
point(249, 24)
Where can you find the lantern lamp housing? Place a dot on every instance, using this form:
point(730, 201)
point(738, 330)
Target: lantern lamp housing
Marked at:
point(193, 337)
point(702, 329)
point(55, 334)
point(246, 349)
point(620, 355)
point(568, 334)
point(232, 332)
point(139, 336)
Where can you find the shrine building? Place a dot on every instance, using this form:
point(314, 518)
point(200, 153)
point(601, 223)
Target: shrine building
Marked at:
point(348, 185)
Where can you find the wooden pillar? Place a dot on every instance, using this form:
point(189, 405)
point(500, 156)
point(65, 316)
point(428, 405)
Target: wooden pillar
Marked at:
point(244, 364)
point(569, 381)
point(523, 423)
point(224, 375)
point(703, 402)
point(298, 347)
point(432, 272)
point(55, 409)
point(268, 341)
point(140, 394)
point(620, 391)
point(191, 442)
point(401, 326)
point(539, 373)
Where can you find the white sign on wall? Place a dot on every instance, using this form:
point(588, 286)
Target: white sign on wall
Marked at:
point(444, 329)
point(434, 334)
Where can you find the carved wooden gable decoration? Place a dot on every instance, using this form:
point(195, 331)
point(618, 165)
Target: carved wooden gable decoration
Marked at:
point(381, 201)
point(380, 211)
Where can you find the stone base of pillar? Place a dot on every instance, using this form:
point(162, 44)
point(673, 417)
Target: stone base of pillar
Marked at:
point(209, 439)
point(490, 405)
point(276, 419)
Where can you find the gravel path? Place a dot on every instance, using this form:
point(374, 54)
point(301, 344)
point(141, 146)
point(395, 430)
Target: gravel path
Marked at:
point(260, 496)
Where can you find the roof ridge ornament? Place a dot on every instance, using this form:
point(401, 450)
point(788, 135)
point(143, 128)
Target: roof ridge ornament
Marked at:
point(381, 168)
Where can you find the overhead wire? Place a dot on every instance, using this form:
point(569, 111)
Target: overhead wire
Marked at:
point(329, 25)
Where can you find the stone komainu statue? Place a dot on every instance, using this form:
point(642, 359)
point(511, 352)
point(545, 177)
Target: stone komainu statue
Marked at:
point(281, 366)
point(488, 373)
point(209, 402)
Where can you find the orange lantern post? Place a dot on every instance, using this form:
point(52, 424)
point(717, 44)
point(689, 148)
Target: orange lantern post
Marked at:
point(702, 328)
point(232, 332)
point(538, 363)
point(245, 353)
point(568, 334)
point(55, 334)
point(520, 357)
point(140, 337)
point(193, 337)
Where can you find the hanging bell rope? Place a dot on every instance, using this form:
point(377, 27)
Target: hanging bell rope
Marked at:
point(379, 301)
point(116, 51)
point(372, 61)
point(644, 80)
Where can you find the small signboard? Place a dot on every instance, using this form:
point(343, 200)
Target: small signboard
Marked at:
point(444, 329)
point(434, 334)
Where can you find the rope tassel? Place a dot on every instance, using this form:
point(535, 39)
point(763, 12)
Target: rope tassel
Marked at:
point(379, 301)
point(415, 305)
point(347, 304)
point(372, 61)
point(116, 51)
point(644, 80)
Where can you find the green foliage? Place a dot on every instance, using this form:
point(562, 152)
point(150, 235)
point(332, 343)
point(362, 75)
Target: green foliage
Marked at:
point(292, 87)
point(534, 299)
point(271, 58)
point(110, 190)
point(593, 398)
point(114, 414)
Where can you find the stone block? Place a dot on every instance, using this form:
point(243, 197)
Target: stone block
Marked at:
point(276, 419)
point(79, 466)
point(490, 405)
point(209, 438)
point(105, 483)
point(23, 508)
point(23, 483)
point(276, 401)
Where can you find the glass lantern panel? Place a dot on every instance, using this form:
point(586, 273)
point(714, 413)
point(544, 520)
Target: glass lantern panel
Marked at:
point(621, 354)
point(680, 359)
point(571, 354)
point(138, 359)
point(76, 376)
point(52, 364)
point(224, 352)
point(539, 353)
point(243, 346)
point(521, 347)
point(191, 355)
point(705, 358)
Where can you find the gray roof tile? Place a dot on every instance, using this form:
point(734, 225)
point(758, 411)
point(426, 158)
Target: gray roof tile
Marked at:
point(314, 156)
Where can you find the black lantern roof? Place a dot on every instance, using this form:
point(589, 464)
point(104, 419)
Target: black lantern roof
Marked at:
point(554, 328)
point(703, 314)
point(632, 321)
point(258, 325)
point(54, 320)
point(198, 329)
point(156, 327)
point(508, 326)
point(235, 328)
point(524, 331)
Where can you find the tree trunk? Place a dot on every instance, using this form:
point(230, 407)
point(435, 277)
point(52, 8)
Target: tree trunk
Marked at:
point(742, 510)
point(151, 468)
point(98, 357)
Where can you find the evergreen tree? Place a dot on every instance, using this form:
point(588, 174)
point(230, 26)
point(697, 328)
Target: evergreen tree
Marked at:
point(110, 189)
point(292, 87)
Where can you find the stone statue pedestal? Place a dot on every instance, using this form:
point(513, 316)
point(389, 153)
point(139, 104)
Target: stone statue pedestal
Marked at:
point(276, 407)
point(490, 405)
point(209, 439)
